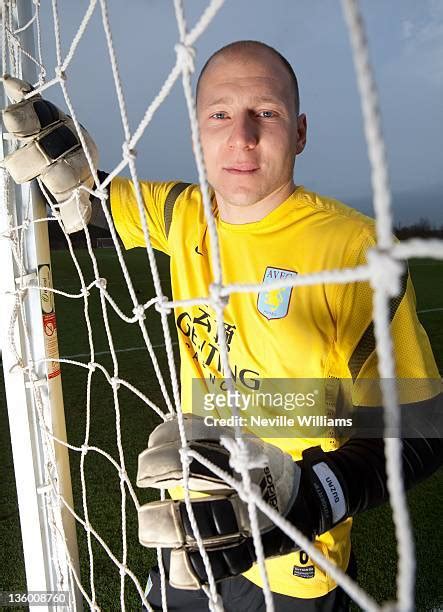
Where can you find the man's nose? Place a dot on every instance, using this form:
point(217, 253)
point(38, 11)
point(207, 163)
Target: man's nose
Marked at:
point(244, 134)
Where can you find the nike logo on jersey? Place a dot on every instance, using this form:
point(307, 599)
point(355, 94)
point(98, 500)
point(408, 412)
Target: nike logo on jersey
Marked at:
point(197, 251)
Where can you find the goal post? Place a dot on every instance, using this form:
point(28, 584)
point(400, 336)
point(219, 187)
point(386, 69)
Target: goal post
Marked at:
point(28, 340)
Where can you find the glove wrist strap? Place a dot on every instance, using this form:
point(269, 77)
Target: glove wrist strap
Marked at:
point(328, 487)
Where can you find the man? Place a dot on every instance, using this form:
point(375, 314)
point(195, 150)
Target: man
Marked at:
point(251, 132)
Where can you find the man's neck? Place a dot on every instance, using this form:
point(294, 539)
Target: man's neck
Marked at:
point(249, 213)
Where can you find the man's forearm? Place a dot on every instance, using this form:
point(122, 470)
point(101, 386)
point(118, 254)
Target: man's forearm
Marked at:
point(361, 470)
point(362, 465)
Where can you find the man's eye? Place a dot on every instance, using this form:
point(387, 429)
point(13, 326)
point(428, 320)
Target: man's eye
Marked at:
point(218, 116)
point(267, 114)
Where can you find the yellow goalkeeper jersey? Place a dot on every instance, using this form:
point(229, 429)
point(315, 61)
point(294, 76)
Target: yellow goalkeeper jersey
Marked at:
point(316, 332)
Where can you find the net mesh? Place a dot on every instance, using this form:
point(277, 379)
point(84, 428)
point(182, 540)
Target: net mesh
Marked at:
point(383, 270)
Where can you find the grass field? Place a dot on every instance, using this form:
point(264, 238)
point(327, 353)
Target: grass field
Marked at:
point(373, 534)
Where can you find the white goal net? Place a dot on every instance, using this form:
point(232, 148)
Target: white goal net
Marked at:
point(27, 287)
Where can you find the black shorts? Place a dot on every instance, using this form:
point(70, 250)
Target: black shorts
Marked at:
point(242, 595)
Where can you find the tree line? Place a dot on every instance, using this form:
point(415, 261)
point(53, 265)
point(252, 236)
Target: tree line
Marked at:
point(423, 228)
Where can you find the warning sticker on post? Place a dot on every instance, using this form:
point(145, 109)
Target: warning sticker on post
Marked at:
point(49, 320)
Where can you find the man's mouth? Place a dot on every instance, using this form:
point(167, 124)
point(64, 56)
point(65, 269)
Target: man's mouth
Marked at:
point(246, 168)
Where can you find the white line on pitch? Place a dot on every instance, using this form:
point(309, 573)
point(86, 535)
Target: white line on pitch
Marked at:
point(429, 310)
point(124, 350)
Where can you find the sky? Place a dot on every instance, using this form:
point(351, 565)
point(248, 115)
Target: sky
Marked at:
point(406, 48)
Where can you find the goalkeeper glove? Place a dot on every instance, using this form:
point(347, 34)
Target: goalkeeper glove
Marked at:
point(52, 151)
point(309, 493)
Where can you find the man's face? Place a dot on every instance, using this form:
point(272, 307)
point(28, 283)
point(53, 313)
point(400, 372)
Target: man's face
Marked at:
point(249, 128)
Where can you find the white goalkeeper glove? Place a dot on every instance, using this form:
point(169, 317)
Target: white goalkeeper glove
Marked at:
point(309, 494)
point(52, 152)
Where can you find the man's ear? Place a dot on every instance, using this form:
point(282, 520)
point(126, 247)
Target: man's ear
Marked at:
point(302, 128)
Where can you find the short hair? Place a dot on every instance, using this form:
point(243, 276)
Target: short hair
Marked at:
point(250, 45)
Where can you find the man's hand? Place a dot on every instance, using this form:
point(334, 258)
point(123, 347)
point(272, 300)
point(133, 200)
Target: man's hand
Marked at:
point(52, 151)
point(222, 517)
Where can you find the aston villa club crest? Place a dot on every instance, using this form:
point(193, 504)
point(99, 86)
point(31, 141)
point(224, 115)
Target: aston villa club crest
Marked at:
point(274, 304)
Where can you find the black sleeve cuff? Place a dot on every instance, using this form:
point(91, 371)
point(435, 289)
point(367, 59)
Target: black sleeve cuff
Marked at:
point(98, 218)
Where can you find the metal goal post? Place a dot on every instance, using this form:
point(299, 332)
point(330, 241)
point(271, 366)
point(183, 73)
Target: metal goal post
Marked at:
point(28, 341)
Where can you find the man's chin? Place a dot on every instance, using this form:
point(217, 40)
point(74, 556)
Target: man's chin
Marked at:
point(242, 198)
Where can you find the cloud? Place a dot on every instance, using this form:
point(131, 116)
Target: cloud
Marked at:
point(421, 49)
point(425, 32)
point(407, 29)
